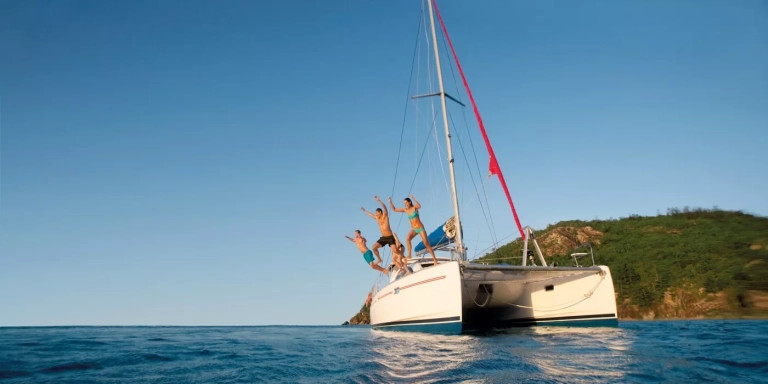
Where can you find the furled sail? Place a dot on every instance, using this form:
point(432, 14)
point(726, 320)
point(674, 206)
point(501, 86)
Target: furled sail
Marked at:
point(442, 235)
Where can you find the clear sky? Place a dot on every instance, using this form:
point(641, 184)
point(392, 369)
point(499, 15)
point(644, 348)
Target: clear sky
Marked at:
point(199, 162)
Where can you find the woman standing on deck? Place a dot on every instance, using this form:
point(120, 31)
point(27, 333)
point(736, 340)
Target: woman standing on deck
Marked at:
point(417, 227)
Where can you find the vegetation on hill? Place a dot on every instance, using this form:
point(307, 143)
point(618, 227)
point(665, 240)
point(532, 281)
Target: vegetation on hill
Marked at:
point(687, 263)
point(362, 317)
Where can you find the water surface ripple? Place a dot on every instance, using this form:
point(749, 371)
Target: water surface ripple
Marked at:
point(722, 351)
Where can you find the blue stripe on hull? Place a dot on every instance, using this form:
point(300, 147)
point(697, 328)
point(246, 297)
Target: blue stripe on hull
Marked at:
point(453, 328)
point(499, 318)
point(581, 323)
point(456, 328)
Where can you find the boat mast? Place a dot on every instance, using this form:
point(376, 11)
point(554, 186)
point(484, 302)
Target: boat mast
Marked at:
point(459, 243)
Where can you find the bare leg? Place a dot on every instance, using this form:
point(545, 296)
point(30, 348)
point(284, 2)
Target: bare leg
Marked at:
point(408, 239)
point(427, 246)
point(375, 250)
point(402, 263)
point(378, 268)
point(396, 259)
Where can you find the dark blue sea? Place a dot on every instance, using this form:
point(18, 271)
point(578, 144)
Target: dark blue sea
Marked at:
point(730, 351)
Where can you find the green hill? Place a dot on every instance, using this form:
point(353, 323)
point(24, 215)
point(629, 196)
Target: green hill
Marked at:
point(687, 263)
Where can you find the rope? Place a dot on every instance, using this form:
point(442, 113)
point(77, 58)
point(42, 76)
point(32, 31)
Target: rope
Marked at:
point(487, 297)
point(488, 217)
point(494, 248)
point(405, 111)
point(433, 115)
point(494, 165)
point(501, 258)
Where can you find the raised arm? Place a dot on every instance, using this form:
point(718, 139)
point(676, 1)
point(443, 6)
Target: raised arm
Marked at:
point(368, 213)
point(384, 207)
point(415, 203)
point(393, 206)
point(349, 238)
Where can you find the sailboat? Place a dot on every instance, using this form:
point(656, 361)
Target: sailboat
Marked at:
point(459, 295)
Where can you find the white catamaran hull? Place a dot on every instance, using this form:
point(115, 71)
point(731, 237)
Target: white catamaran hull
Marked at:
point(504, 296)
point(455, 297)
point(428, 300)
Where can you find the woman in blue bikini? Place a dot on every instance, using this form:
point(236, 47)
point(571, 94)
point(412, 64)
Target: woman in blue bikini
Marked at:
point(417, 227)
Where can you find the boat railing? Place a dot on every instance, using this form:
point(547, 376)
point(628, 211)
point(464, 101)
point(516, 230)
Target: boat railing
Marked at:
point(579, 255)
point(450, 248)
point(487, 261)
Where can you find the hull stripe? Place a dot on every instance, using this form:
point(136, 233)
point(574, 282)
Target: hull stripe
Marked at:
point(424, 321)
point(423, 282)
point(583, 317)
point(412, 285)
point(528, 321)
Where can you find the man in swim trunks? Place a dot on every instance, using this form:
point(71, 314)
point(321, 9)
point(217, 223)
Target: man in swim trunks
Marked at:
point(360, 241)
point(382, 218)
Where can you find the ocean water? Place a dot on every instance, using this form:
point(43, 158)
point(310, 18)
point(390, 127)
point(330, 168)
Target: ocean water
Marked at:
point(730, 351)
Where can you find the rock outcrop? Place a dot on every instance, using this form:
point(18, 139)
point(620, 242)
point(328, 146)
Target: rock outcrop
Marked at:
point(562, 240)
point(364, 316)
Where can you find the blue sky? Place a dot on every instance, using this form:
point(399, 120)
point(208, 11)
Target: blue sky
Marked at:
point(184, 163)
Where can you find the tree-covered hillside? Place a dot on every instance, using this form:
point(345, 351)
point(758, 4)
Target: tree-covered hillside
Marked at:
point(687, 263)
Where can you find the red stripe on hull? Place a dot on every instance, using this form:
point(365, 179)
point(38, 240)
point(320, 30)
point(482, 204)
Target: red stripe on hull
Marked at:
point(412, 285)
